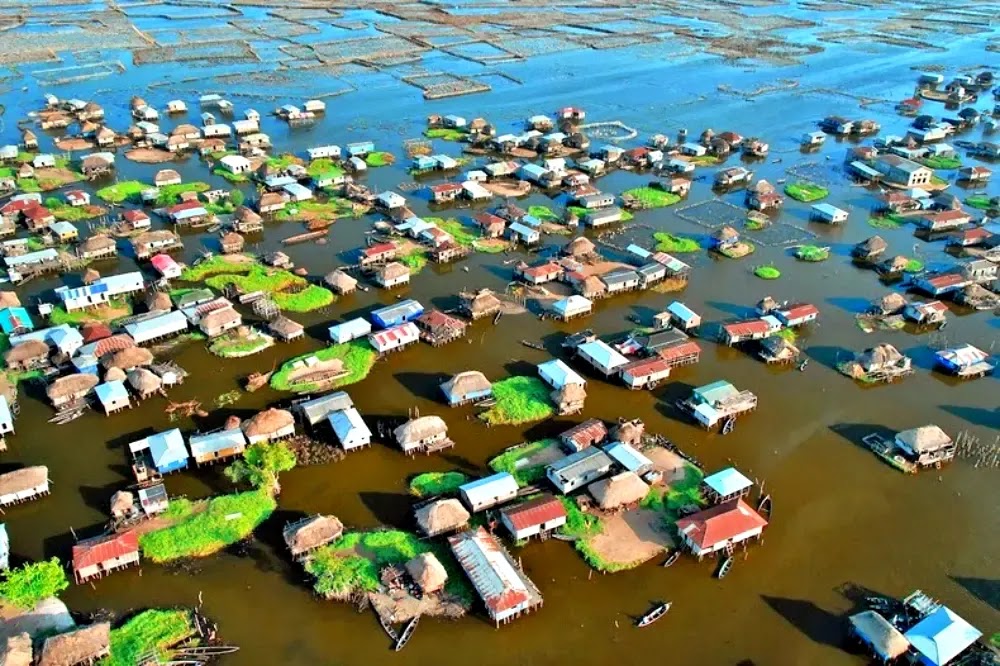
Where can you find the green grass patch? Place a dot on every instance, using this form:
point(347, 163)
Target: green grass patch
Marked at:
point(462, 234)
point(979, 201)
point(767, 272)
point(429, 484)
point(67, 213)
point(491, 248)
point(215, 265)
point(787, 334)
point(26, 585)
point(233, 346)
point(178, 508)
point(323, 168)
point(666, 242)
point(357, 355)
point(886, 222)
point(6, 172)
point(704, 160)
point(446, 133)
point(290, 292)
point(680, 493)
point(223, 172)
point(913, 266)
point(415, 260)
point(812, 253)
point(226, 520)
point(34, 244)
point(513, 461)
point(519, 400)
point(754, 224)
point(942, 162)
point(379, 159)
point(652, 197)
point(115, 309)
point(28, 185)
point(938, 180)
point(126, 190)
point(149, 632)
point(171, 194)
point(578, 524)
point(580, 212)
point(543, 213)
point(316, 210)
point(806, 191)
point(351, 564)
point(283, 161)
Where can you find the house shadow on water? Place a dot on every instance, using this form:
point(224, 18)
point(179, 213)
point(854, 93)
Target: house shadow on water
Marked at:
point(851, 304)
point(425, 385)
point(978, 416)
point(856, 432)
point(388, 508)
point(829, 356)
point(986, 590)
point(819, 625)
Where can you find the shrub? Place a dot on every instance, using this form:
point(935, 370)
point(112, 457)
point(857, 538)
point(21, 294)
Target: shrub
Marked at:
point(578, 524)
point(436, 483)
point(812, 253)
point(25, 586)
point(126, 190)
point(261, 464)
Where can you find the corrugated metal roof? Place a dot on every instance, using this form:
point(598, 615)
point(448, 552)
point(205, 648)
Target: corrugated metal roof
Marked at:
point(216, 441)
point(487, 488)
point(95, 551)
point(727, 482)
point(500, 585)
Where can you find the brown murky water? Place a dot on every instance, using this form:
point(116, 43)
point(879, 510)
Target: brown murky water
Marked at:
point(841, 517)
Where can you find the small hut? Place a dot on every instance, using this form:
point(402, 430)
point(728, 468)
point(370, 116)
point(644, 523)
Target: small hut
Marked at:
point(129, 358)
point(466, 387)
point(883, 362)
point(766, 306)
point(71, 388)
point(579, 247)
point(629, 432)
point(895, 265)
point(122, 504)
point(427, 572)
point(310, 533)
point(286, 329)
point(97, 247)
point(392, 275)
point(569, 398)
point(231, 243)
point(441, 516)
point(145, 383)
point(23, 484)
point(593, 287)
point(481, 303)
point(246, 221)
point(889, 304)
point(80, 646)
point(776, 349)
point(278, 260)
point(158, 301)
point(879, 635)
point(870, 249)
point(90, 276)
point(115, 375)
point(978, 297)
point(423, 434)
point(28, 355)
point(618, 492)
point(269, 425)
point(340, 282)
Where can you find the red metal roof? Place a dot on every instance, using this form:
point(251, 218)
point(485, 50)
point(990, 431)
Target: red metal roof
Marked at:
point(947, 280)
point(547, 268)
point(720, 523)
point(680, 351)
point(95, 330)
point(976, 233)
point(396, 334)
point(489, 219)
point(38, 212)
point(436, 319)
point(741, 328)
point(377, 249)
point(162, 262)
point(931, 306)
point(89, 553)
point(134, 216)
point(535, 512)
point(647, 366)
point(444, 188)
point(587, 433)
point(800, 311)
point(948, 216)
point(187, 205)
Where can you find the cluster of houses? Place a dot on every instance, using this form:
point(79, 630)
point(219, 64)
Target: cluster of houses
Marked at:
point(400, 325)
point(764, 329)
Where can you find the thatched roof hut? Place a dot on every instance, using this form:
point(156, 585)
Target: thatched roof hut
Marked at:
point(466, 385)
point(115, 375)
point(569, 398)
point(419, 430)
point(428, 572)
point(231, 242)
point(269, 424)
point(137, 102)
point(392, 271)
point(763, 187)
point(71, 387)
point(924, 439)
point(285, 328)
point(98, 244)
point(897, 264)
point(891, 303)
point(580, 246)
point(126, 359)
point(90, 276)
point(9, 299)
point(26, 353)
point(618, 491)
point(629, 432)
point(158, 301)
point(880, 356)
point(726, 234)
point(80, 646)
point(480, 303)
point(340, 282)
point(23, 479)
point(871, 247)
point(446, 515)
point(145, 382)
point(885, 639)
point(592, 287)
point(310, 533)
point(17, 651)
point(766, 305)
point(122, 503)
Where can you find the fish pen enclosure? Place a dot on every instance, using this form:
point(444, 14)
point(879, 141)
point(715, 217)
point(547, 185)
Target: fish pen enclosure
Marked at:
point(713, 214)
point(813, 172)
point(212, 52)
point(438, 85)
point(778, 234)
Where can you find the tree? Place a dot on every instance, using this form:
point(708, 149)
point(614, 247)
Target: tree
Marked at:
point(26, 586)
point(236, 196)
point(53, 203)
point(261, 464)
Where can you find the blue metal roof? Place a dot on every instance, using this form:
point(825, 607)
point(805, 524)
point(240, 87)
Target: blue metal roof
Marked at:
point(681, 311)
point(167, 448)
point(711, 393)
point(110, 392)
point(14, 318)
point(727, 482)
point(942, 636)
point(398, 312)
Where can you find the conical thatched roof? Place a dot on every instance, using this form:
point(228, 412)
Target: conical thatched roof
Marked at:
point(880, 355)
point(897, 264)
point(766, 304)
point(71, 385)
point(569, 393)
point(428, 572)
point(925, 438)
point(619, 490)
point(115, 375)
point(164, 175)
point(442, 516)
point(23, 479)
point(122, 502)
point(393, 270)
point(158, 301)
point(482, 301)
point(340, 281)
point(17, 651)
point(268, 422)
point(231, 242)
point(763, 187)
point(97, 243)
point(891, 303)
point(80, 646)
point(873, 245)
point(26, 350)
point(579, 246)
point(629, 432)
point(311, 533)
point(467, 382)
point(129, 358)
point(9, 299)
point(726, 233)
point(416, 430)
point(144, 381)
point(91, 276)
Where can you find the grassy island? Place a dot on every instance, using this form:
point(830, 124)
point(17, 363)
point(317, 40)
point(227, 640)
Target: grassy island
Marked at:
point(806, 191)
point(543, 213)
point(666, 242)
point(357, 358)
point(126, 190)
point(171, 194)
point(949, 163)
point(28, 584)
point(812, 253)
point(979, 201)
point(379, 159)
point(519, 400)
point(116, 308)
point(290, 292)
point(429, 484)
point(652, 197)
point(445, 133)
point(151, 631)
point(767, 272)
point(526, 463)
